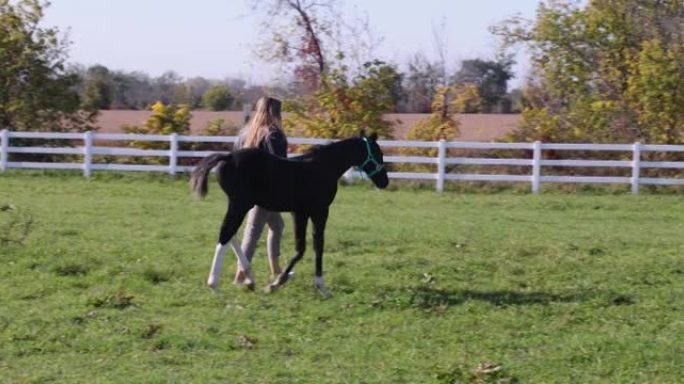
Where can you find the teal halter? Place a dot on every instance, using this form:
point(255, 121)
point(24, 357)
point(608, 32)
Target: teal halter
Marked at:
point(370, 159)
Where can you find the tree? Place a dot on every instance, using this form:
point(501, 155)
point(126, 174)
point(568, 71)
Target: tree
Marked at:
point(467, 98)
point(217, 98)
point(338, 99)
point(98, 90)
point(296, 33)
point(478, 86)
point(421, 83)
point(165, 120)
point(515, 96)
point(346, 104)
point(115, 89)
point(37, 92)
point(166, 87)
point(491, 80)
point(610, 71)
point(656, 91)
point(122, 85)
point(439, 125)
point(198, 86)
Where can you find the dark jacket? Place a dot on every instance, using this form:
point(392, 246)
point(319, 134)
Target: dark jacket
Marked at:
point(274, 142)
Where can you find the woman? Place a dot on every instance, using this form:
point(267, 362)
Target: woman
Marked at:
point(263, 131)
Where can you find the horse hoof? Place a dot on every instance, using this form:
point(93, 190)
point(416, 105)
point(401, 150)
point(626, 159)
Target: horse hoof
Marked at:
point(282, 279)
point(271, 288)
point(325, 293)
point(250, 286)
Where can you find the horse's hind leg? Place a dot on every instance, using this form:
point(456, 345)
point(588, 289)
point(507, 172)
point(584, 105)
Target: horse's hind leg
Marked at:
point(231, 224)
point(300, 220)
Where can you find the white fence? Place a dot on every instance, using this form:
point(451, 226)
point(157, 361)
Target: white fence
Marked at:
point(535, 161)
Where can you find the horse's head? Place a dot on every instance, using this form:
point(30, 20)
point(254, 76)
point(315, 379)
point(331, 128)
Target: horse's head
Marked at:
point(373, 165)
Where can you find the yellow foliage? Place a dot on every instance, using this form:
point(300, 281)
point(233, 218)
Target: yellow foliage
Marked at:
point(467, 99)
point(345, 104)
point(440, 125)
point(158, 108)
point(607, 71)
point(164, 120)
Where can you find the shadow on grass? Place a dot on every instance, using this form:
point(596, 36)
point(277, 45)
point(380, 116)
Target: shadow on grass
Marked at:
point(434, 299)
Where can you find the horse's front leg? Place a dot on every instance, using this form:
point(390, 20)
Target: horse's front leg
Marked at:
point(319, 220)
point(300, 221)
point(231, 224)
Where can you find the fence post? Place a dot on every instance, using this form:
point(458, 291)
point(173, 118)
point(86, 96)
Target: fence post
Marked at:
point(441, 164)
point(636, 167)
point(87, 153)
point(536, 166)
point(246, 112)
point(173, 153)
point(4, 149)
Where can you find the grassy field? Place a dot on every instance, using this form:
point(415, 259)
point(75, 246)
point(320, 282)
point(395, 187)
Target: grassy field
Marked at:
point(427, 288)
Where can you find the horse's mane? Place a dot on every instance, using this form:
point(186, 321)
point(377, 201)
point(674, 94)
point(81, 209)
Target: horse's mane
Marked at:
point(310, 152)
point(314, 149)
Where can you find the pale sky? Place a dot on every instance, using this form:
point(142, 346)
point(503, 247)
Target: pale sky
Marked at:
point(214, 38)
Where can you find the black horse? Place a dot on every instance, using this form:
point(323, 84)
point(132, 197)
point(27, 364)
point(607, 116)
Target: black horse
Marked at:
point(305, 185)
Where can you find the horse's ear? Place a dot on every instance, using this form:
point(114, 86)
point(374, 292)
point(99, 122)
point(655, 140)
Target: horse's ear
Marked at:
point(374, 136)
point(362, 133)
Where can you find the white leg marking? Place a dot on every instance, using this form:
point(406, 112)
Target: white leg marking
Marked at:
point(216, 266)
point(318, 282)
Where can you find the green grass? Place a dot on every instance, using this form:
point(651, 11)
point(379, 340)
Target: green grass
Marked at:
point(555, 288)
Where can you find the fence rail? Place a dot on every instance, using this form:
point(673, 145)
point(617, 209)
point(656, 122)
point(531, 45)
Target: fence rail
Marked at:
point(535, 161)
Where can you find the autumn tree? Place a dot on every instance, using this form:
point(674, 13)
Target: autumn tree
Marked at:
point(466, 98)
point(441, 123)
point(447, 98)
point(346, 104)
point(338, 98)
point(297, 36)
point(37, 91)
point(607, 71)
point(165, 120)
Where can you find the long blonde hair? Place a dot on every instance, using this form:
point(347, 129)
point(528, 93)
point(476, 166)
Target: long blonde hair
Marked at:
point(266, 115)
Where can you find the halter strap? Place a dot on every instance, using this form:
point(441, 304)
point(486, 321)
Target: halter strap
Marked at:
point(370, 159)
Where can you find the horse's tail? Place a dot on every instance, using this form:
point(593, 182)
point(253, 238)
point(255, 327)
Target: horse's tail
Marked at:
point(199, 174)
